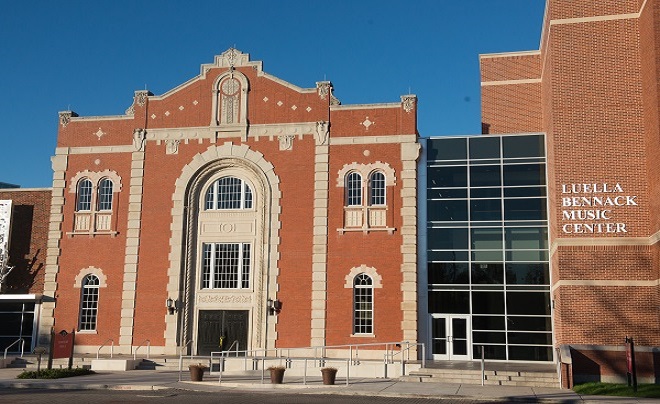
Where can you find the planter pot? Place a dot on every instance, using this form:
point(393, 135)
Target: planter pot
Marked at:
point(196, 373)
point(276, 375)
point(329, 375)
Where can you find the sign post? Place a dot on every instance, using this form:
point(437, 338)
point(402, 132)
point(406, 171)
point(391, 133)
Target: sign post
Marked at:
point(61, 346)
point(630, 363)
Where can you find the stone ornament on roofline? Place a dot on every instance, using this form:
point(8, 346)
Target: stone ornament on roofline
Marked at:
point(408, 102)
point(65, 117)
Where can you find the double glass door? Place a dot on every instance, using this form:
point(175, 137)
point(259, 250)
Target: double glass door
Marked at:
point(450, 337)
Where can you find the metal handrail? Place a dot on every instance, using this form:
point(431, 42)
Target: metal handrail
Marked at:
point(112, 347)
point(235, 343)
point(13, 343)
point(140, 346)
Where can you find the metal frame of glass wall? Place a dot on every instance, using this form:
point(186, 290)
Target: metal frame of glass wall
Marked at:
point(487, 246)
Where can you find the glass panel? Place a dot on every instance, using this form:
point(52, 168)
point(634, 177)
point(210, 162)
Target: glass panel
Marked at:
point(530, 353)
point(488, 322)
point(485, 176)
point(487, 274)
point(529, 323)
point(452, 255)
point(448, 273)
point(490, 351)
point(28, 325)
point(440, 347)
point(486, 209)
point(528, 303)
point(459, 327)
point(354, 189)
point(524, 192)
point(526, 238)
point(530, 338)
point(377, 189)
point(528, 274)
point(525, 209)
point(105, 194)
point(446, 193)
point(530, 255)
point(459, 347)
point(523, 146)
point(447, 149)
point(485, 147)
point(448, 238)
point(524, 174)
point(84, 202)
point(439, 327)
point(485, 192)
point(488, 302)
point(487, 238)
point(488, 337)
point(448, 210)
point(447, 177)
point(449, 302)
point(11, 323)
point(485, 255)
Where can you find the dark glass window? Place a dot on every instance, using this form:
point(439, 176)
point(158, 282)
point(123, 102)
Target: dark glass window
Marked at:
point(485, 193)
point(84, 196)
point(451, 255)
point(524, 192)
point(485, 147)
point(523, 146)
point(448, 238)
point(447, 176)
point(448, 273)
point(449, 302)
point(526, 238)
point(530, 353)
point(485, 209)
point(488, 322)
point(524, 174)
point(490, 351)
point(485, 176)
point(528, 274)
point(105, 194)
point(447, 193)
point(488, 302)
point(447, 149)
point(528, 303)
point(487, 274)
point(525, 209)
point(486, 238)
point(448, 210)
point(529, 323)
point(488, 337)
point(529, 338)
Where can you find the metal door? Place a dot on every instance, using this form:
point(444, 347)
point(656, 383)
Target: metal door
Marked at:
point(450, 337)
point(218, 329)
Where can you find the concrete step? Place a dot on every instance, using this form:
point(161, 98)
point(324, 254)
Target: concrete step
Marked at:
point(492, 377)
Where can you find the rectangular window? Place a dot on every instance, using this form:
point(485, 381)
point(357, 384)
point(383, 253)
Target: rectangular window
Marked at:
point(226, 266)
point(363, 300)
point(89, 308)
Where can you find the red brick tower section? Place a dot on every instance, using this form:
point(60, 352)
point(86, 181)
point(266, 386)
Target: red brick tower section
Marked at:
point(599, 109)
point(291, 147)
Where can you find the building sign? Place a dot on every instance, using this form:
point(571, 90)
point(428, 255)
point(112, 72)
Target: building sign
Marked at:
point(5, 225)
point(592, 208)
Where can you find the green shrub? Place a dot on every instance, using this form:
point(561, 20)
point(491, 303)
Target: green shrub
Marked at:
point(54, 373)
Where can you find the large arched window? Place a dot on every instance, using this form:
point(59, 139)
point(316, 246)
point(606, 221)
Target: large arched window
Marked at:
point(353, 189)
point(377, 188)
point(89, 303)
point(229, 193)
point(84, 195)
point(105, 194)
point(363, 304)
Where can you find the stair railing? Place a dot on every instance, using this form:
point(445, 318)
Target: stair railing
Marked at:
point(140, 346)
point(14, 343)
point(112, 347)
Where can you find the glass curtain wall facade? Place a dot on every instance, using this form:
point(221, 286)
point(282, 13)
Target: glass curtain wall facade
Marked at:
point(487, 248)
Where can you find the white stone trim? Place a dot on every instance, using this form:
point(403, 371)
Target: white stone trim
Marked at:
point(365, 170)
point(509, 82)
point(271, 208)
point(95, 150)
point(355, 271)
point(95, 177)
point(385, 139)
point(508, 54)
point(98, 272)
point(604, 242)
point(365, 106)
point(606, 282)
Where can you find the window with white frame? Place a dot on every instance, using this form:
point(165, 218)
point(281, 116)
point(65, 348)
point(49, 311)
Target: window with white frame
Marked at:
point(105, 194)
point(365, 197)
point(89, 303)
point(226, 265)
point(353, 189)
point(363, 304)
point(94, 192)
point(229, 193)
point(84, 196)
point(377, 188)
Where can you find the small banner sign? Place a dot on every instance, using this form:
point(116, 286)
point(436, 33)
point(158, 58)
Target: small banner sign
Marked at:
point(63, 344)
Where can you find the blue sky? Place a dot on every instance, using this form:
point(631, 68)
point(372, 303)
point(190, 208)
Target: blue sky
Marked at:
point(90, 56)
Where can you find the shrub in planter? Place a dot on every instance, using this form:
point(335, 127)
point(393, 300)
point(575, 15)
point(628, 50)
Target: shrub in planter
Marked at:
point(276, 374)
point(329, 375)
point(197, 372)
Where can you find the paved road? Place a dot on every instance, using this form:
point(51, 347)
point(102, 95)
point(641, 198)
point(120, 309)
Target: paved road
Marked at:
point(41, 396)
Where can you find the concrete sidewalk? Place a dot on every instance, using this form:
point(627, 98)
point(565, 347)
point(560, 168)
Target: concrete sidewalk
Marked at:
point(157, 380)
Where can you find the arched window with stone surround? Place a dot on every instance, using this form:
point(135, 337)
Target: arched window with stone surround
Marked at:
point(363, 304)
point(353, 189)
point(229, 193)
point(89, 303)
point(377, 189)
point(84, 195)
point(105, 194)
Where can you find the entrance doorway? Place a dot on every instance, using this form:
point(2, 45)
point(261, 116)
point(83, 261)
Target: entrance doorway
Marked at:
point(450, 337)
point(218, 329)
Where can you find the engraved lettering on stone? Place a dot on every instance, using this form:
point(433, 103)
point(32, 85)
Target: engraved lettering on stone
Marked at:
point(224, 299)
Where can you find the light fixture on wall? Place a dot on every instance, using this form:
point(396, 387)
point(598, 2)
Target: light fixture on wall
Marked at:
point(171, 305)
point(274, 306)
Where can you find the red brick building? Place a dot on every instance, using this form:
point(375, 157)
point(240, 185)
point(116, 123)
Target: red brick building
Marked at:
point(235, 207)
point(593, 89)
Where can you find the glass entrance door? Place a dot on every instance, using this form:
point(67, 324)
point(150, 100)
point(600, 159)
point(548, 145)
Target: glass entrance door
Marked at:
point(450, 337)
